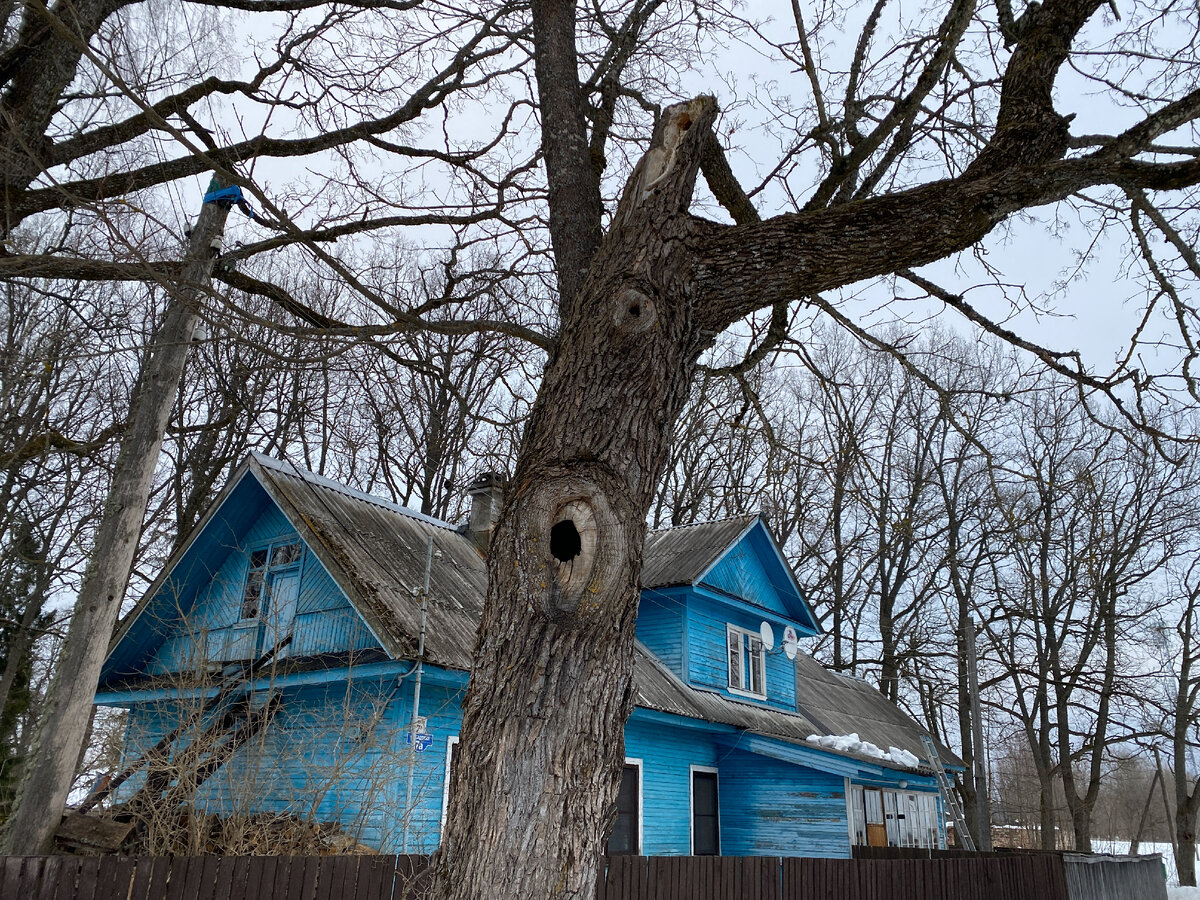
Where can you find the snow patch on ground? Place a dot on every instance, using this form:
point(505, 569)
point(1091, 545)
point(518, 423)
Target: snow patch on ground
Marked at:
point(1183, 893)
point(849, 743)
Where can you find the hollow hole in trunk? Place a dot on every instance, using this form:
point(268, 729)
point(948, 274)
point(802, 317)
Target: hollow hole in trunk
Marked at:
point(565, 542)
point(635, 309)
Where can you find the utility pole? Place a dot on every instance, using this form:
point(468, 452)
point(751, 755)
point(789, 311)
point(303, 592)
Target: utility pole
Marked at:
point(416, 707)
point(983, 804)
point(61, 731)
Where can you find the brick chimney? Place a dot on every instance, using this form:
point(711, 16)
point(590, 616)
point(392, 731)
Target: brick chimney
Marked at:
point(487, 498)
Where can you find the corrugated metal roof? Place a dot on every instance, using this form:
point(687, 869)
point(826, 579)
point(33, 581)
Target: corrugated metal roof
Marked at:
point(376, 551)
point(659, 688)
point(681, 555)
point(840, 704)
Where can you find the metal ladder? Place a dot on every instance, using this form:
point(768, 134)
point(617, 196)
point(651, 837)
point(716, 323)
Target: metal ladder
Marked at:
point(948, 795)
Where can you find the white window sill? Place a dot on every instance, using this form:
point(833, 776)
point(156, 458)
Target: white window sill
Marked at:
point(742, 693)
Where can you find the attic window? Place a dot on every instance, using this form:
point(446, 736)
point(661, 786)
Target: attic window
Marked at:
point(565, 543)
point(263, 561)
point(747, 662)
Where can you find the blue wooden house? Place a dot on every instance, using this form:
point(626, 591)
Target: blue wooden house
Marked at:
point(321, 585)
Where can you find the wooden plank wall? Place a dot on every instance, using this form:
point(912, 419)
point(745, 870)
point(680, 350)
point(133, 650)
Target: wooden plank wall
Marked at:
point(994, 877)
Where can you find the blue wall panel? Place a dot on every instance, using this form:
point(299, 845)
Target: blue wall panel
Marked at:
point(772, 808)
point(338, 753)
point(325, 622)
point(740, 573)
point(707, 664)
point(667, 755)
point(333, 753)
point(660, 627)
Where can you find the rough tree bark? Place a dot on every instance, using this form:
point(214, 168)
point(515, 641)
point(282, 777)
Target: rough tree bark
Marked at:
point(541, 741)
point(61, 730)
point(553, 665)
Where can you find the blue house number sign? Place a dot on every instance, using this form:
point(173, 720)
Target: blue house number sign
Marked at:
point(423, 741)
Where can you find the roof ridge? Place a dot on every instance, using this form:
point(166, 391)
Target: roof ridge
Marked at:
point(287, 467)
point(743, 516)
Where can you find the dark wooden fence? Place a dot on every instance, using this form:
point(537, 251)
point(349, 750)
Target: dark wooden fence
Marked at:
point(1086, 876)
point(771, 878)
point(208, 878)
point(892, 875)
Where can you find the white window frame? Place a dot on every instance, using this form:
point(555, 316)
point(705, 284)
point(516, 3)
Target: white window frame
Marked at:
point(852, 811)
point(747, 638)
point(925, 820)
point(451, 743)
point(692, 770)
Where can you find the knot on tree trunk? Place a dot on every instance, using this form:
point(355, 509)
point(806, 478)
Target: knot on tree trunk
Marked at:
point(634, 312)
point(568, 524)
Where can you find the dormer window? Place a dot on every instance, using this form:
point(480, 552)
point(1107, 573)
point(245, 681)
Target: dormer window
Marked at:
point(747, 662)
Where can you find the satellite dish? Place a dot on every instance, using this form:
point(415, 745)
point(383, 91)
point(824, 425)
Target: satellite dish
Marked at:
point(790, 640)
point(767, 633)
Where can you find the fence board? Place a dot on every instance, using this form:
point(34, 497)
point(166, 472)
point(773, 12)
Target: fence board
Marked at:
point(31, 876)
point(89, 878)
point(11, 877)
point(314, 872)
point(119, 876)
point(223, 884)
point(68, 874)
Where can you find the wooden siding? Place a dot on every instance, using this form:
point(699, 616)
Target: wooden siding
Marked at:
point(707, 664)
point(339, 754)
point(771, 808)
point(325, 622)
point(741, 573)
point(334, 753)
point(660, 626)
point(667, 755)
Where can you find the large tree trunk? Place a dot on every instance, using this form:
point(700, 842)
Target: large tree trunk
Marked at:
point(552, 678)
point(42, 794)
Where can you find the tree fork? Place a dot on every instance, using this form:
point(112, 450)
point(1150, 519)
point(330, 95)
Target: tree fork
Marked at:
point(61, 730)
point(531, 801)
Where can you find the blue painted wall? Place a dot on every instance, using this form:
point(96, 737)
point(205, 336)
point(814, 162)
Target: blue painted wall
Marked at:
point(667, 754)
point(324, 623)
point(334, 752)
point(661, 626)
point(740, 573)
point(772, 808)
point(707, 664)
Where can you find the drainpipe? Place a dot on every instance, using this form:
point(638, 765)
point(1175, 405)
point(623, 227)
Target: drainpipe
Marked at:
point(416, 707)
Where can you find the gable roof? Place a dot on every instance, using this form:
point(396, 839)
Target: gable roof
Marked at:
point(681, 555)
point(708, 554)
point(376, 550)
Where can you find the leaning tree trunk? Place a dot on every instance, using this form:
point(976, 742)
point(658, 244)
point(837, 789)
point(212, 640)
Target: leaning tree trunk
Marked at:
point(552, 677)
point(61, 730)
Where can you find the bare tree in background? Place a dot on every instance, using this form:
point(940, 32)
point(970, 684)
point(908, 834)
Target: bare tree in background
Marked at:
point(916, 138)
